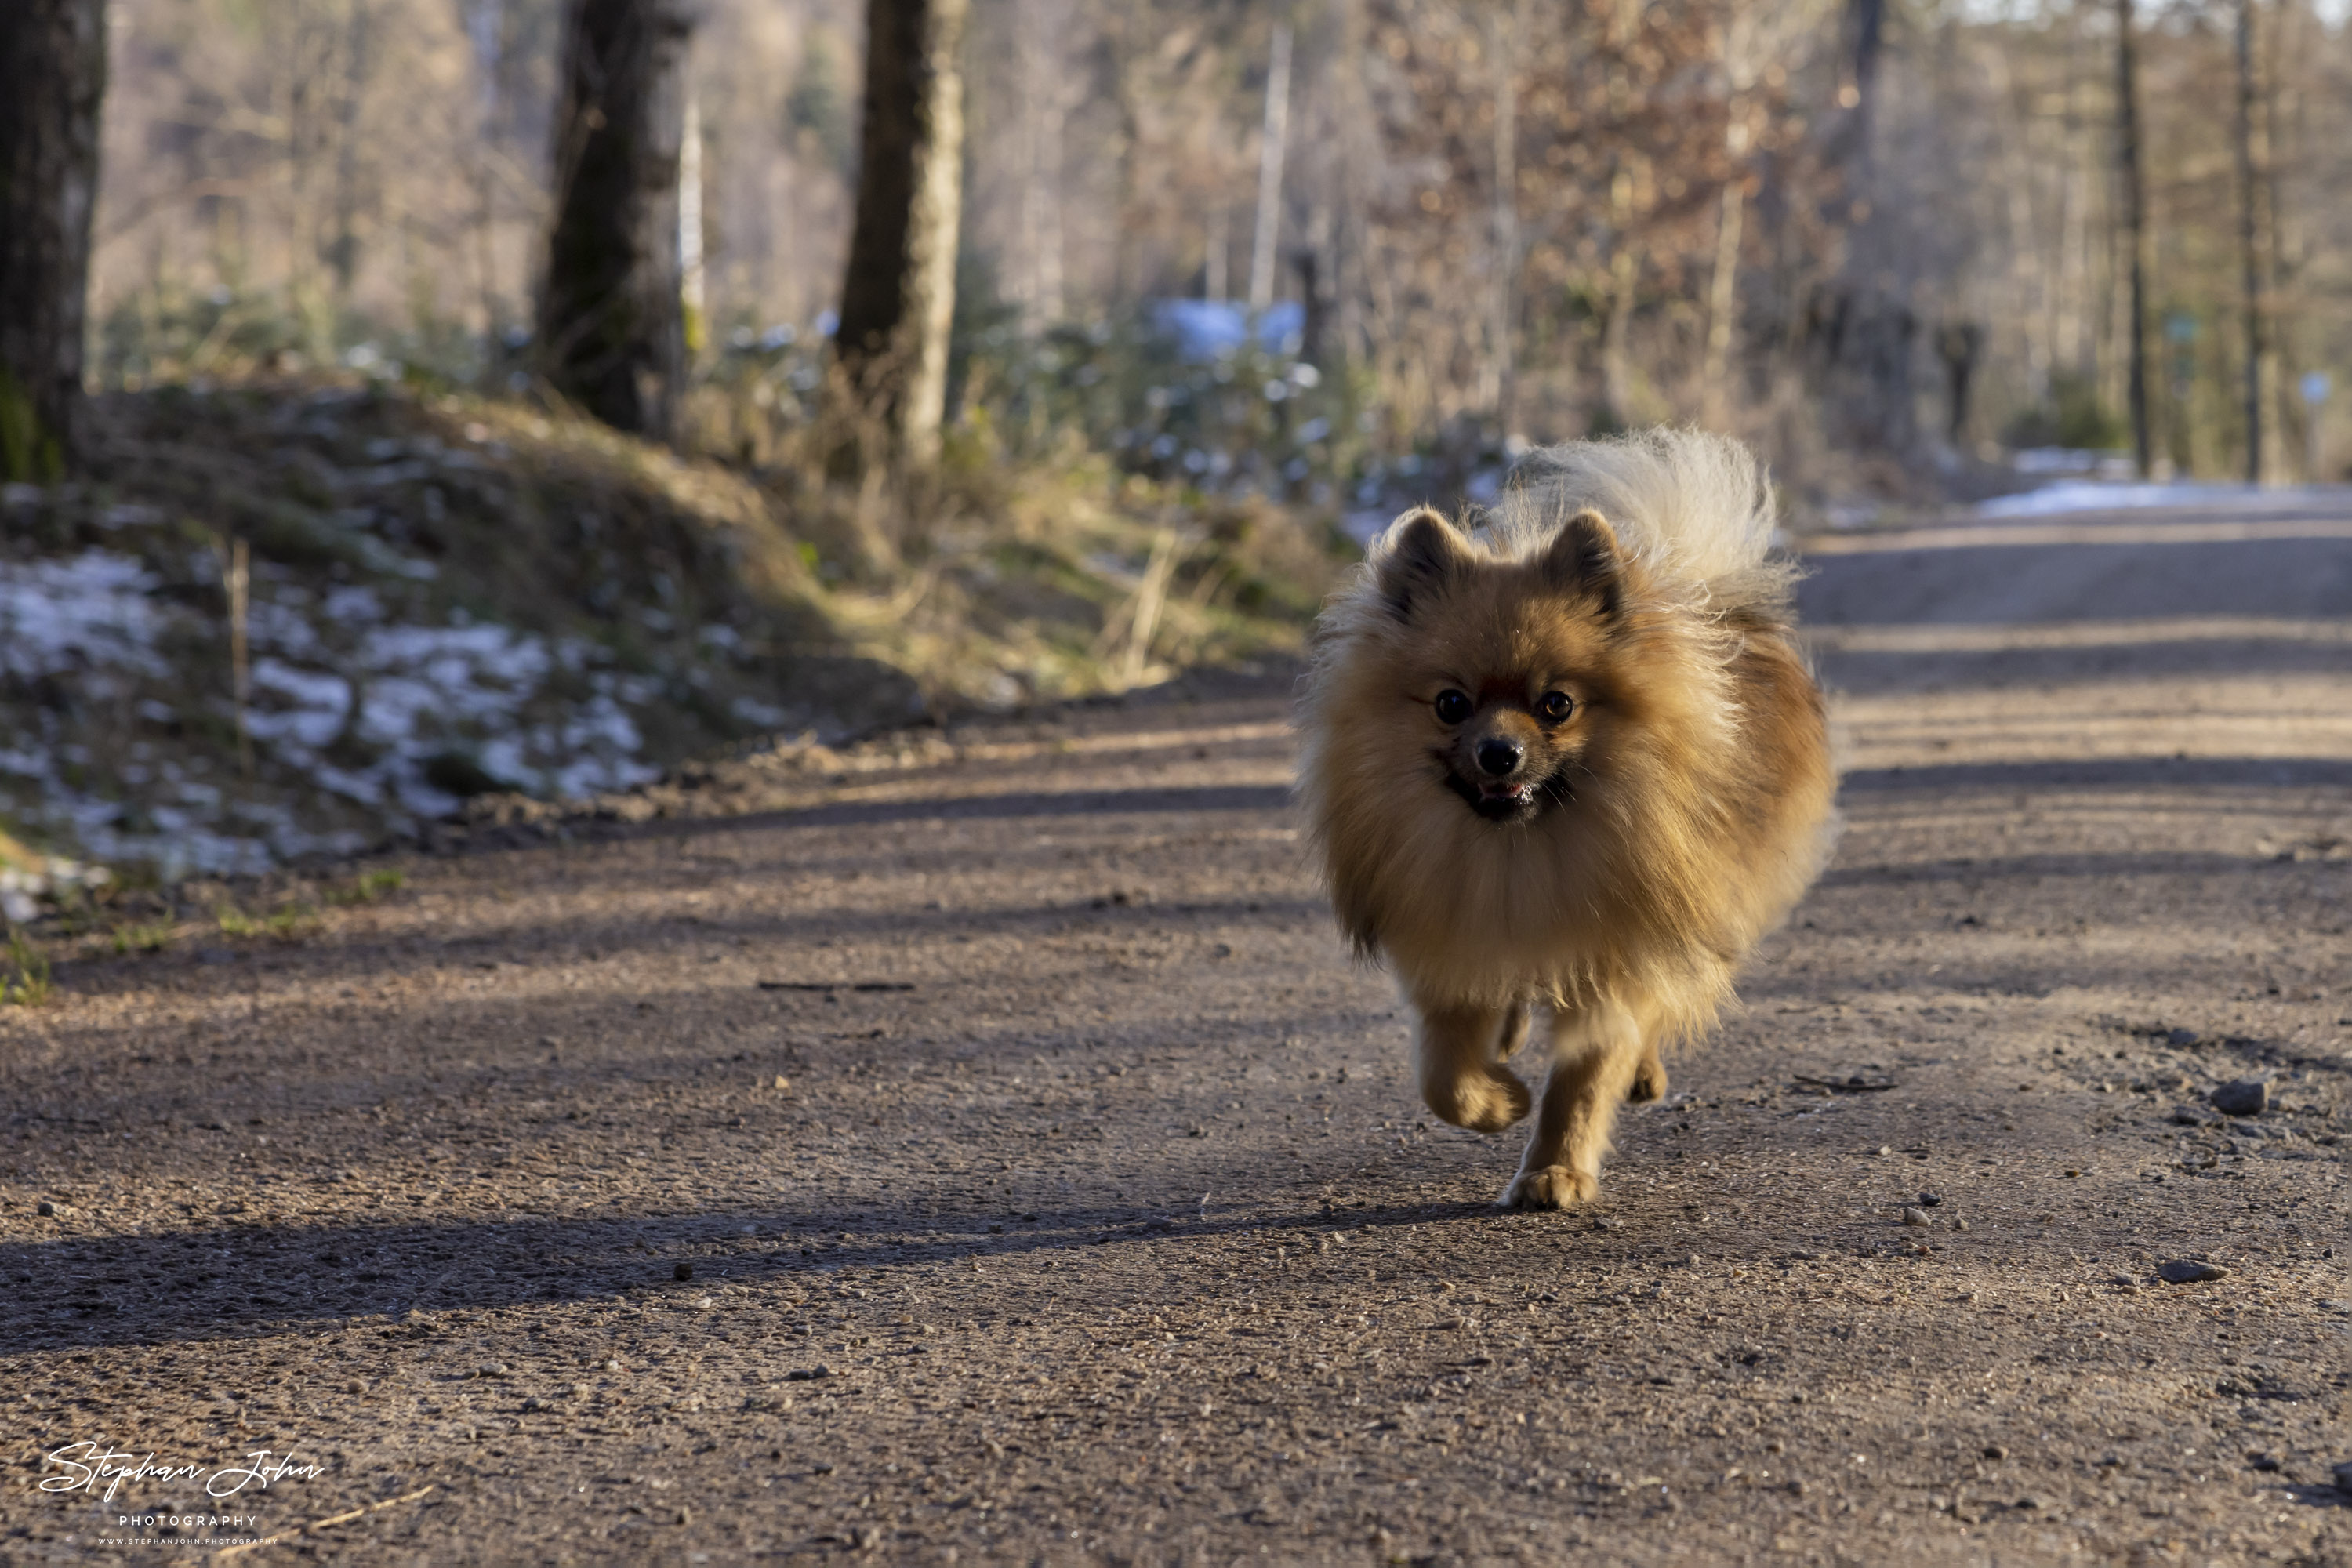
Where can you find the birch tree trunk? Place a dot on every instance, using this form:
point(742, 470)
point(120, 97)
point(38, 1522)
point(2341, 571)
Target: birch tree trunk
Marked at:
point(1042, 32)
point(898, 300)
point(1506, 34)
point(52, 80)
point(1271, 147)
point(1624, 272)
point(1722, 294)
point(612, 329)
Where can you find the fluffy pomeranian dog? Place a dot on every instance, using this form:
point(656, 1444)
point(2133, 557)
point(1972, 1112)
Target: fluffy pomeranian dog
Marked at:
point(1570, 763)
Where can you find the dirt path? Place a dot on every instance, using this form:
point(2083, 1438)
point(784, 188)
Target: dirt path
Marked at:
point(1052, 1190)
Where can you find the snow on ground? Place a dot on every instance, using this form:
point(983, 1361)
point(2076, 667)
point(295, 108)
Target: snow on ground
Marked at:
point(90, 611)
point(351, 701)
point(2100, 495)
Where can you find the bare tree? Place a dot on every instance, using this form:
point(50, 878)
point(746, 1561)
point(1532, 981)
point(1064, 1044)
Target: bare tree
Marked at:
point(898, 300)
point(52, 79)
point(611, 326)
point(1267, 233)
point(2253, 181)
point(1505, 29)
point(2134, 220)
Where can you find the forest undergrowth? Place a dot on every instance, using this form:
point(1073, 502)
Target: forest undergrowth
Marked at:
point(290, 618)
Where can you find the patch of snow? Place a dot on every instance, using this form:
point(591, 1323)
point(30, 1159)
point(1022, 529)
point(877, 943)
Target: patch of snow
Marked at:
point(408, 690)
point(81, 612)
point(320, 703)
point(2072, 460)
point(760, 715)
point(2093, 495)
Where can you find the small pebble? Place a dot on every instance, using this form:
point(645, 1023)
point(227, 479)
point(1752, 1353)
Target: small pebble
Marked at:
point(1959, 1224)
point(782, 1082)
point(2184, 1271)
point(1928, 1200)
point(1995, 1451)
point(2242, 1096)
point(1915, 1216)
point(2188, 1116)
point(683, 1271)
point(491, 1369)
point(44, 1207)
point(2267, 1463)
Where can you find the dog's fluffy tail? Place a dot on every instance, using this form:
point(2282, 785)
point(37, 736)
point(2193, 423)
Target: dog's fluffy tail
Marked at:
point(1694, 506)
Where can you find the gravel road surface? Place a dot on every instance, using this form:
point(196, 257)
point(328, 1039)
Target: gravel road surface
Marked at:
point(983, 1149)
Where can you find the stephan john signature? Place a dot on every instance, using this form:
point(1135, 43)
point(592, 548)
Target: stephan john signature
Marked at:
point(86, 1465)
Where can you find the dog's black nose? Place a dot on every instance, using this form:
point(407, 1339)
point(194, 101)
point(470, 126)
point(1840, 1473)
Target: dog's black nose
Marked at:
point(1499, 757)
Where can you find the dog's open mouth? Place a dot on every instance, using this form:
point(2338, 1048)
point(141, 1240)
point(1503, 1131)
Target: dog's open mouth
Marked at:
point(1513, 800)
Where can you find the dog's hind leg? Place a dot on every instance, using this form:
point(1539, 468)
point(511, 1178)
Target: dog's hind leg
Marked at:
point(1461, 1078)
point(1597, 1052)
point(1515, 1032)
point(1649, 1078)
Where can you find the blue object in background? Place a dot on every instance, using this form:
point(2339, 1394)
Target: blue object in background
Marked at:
point(1205, 329)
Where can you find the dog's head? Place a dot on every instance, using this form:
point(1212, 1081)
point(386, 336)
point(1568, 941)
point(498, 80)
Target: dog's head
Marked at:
point(1504, 669)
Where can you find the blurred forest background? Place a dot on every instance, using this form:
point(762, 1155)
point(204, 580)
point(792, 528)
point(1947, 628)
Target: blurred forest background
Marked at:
point(479, 402)
point(1807, 220)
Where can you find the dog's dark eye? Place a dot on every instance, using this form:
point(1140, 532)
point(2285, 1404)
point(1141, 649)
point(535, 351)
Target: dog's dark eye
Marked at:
point(1452, 706)
point(1553, 707)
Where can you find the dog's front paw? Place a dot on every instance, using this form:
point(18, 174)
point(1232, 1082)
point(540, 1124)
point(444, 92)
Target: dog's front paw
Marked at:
point(1551, 1187)
point(1485, 1102)
point(1649, 1081)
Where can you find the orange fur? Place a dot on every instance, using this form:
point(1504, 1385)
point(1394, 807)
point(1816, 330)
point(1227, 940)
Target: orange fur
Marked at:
point(1668, 804)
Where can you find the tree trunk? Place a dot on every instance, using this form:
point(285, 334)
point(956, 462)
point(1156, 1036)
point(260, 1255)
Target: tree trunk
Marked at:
point(612, 329)
point(2251, 157)
point(1272, 145)
point(691, 296)
point(1506, 37)
point(1866, 21)
point(2135, 217)
point(1740, 67)
point(52, 79)
point(898, 300)
point(1625, 270)
point(1043, 32)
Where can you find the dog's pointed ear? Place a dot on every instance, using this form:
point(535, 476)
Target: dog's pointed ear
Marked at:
point(1421, 554)
point(1583, 558)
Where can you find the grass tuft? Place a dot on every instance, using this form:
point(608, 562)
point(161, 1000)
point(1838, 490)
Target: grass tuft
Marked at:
point(142, 936)
point(286, 923)
point(367, 888)
point(30, 986)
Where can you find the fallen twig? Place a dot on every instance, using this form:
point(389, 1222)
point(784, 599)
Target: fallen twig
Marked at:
point(346, 1518)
